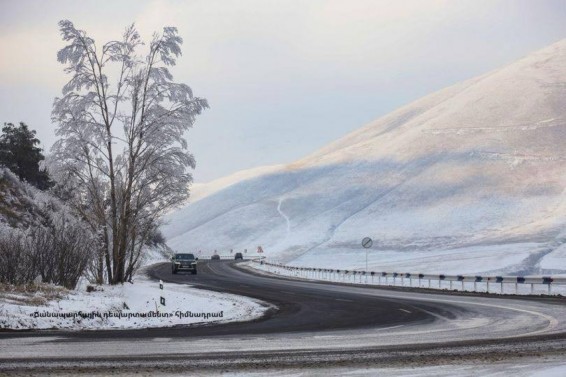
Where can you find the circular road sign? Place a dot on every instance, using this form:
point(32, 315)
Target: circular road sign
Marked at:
point(367, 242)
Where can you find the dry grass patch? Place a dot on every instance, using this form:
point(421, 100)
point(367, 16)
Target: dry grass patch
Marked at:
point(31, 294)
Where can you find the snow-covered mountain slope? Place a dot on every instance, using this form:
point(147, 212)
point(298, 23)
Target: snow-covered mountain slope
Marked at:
point(472, 177)
point(202, 190)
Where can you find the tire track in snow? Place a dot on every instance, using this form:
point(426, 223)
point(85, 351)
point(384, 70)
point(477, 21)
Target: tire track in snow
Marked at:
point(284, 216)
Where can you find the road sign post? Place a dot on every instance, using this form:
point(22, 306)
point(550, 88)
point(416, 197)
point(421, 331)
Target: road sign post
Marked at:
point(366, 244)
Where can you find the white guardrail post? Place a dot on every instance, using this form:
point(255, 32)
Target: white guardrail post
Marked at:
point(480, 283)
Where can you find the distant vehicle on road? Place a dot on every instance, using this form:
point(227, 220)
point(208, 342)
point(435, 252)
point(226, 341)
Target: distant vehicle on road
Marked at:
point(184, 262)
point(238, 256)
point(215, 257)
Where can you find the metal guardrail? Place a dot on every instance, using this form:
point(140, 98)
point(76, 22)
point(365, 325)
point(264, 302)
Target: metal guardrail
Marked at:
point(392, 278)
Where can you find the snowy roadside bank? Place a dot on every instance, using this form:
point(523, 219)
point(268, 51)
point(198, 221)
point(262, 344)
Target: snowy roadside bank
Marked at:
point(508, 285)
point(128, 306)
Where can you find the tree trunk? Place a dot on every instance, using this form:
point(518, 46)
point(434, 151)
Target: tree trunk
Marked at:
point(100, 267)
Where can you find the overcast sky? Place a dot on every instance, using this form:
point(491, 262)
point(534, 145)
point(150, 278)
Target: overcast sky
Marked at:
point(283, 77)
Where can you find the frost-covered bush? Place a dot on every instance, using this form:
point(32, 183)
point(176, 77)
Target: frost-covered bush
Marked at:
point(39, 236)
point(16, 262)
point(58, 253)
point(62, 251)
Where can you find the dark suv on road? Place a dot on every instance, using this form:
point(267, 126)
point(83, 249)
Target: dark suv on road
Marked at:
point(238, 256)
point(184, 262)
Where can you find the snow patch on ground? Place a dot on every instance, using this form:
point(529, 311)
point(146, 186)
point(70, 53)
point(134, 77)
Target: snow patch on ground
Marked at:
point(128, 306)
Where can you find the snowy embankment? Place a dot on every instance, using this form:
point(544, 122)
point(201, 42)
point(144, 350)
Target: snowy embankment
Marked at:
point(412, 279)
point(127, 306)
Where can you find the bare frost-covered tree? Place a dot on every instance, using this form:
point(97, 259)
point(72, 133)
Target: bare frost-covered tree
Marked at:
point(121, 151)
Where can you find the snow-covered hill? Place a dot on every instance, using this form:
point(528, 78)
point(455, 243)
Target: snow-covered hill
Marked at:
point(202, 190)
point(468, 179)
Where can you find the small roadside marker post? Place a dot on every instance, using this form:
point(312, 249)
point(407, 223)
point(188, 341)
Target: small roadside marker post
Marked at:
point(161, 298)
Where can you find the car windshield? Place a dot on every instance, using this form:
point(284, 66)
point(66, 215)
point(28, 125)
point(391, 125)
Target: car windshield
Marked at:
point(184, 256)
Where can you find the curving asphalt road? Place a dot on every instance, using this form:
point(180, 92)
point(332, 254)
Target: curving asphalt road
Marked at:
point(315, 324)
point(304, 307)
